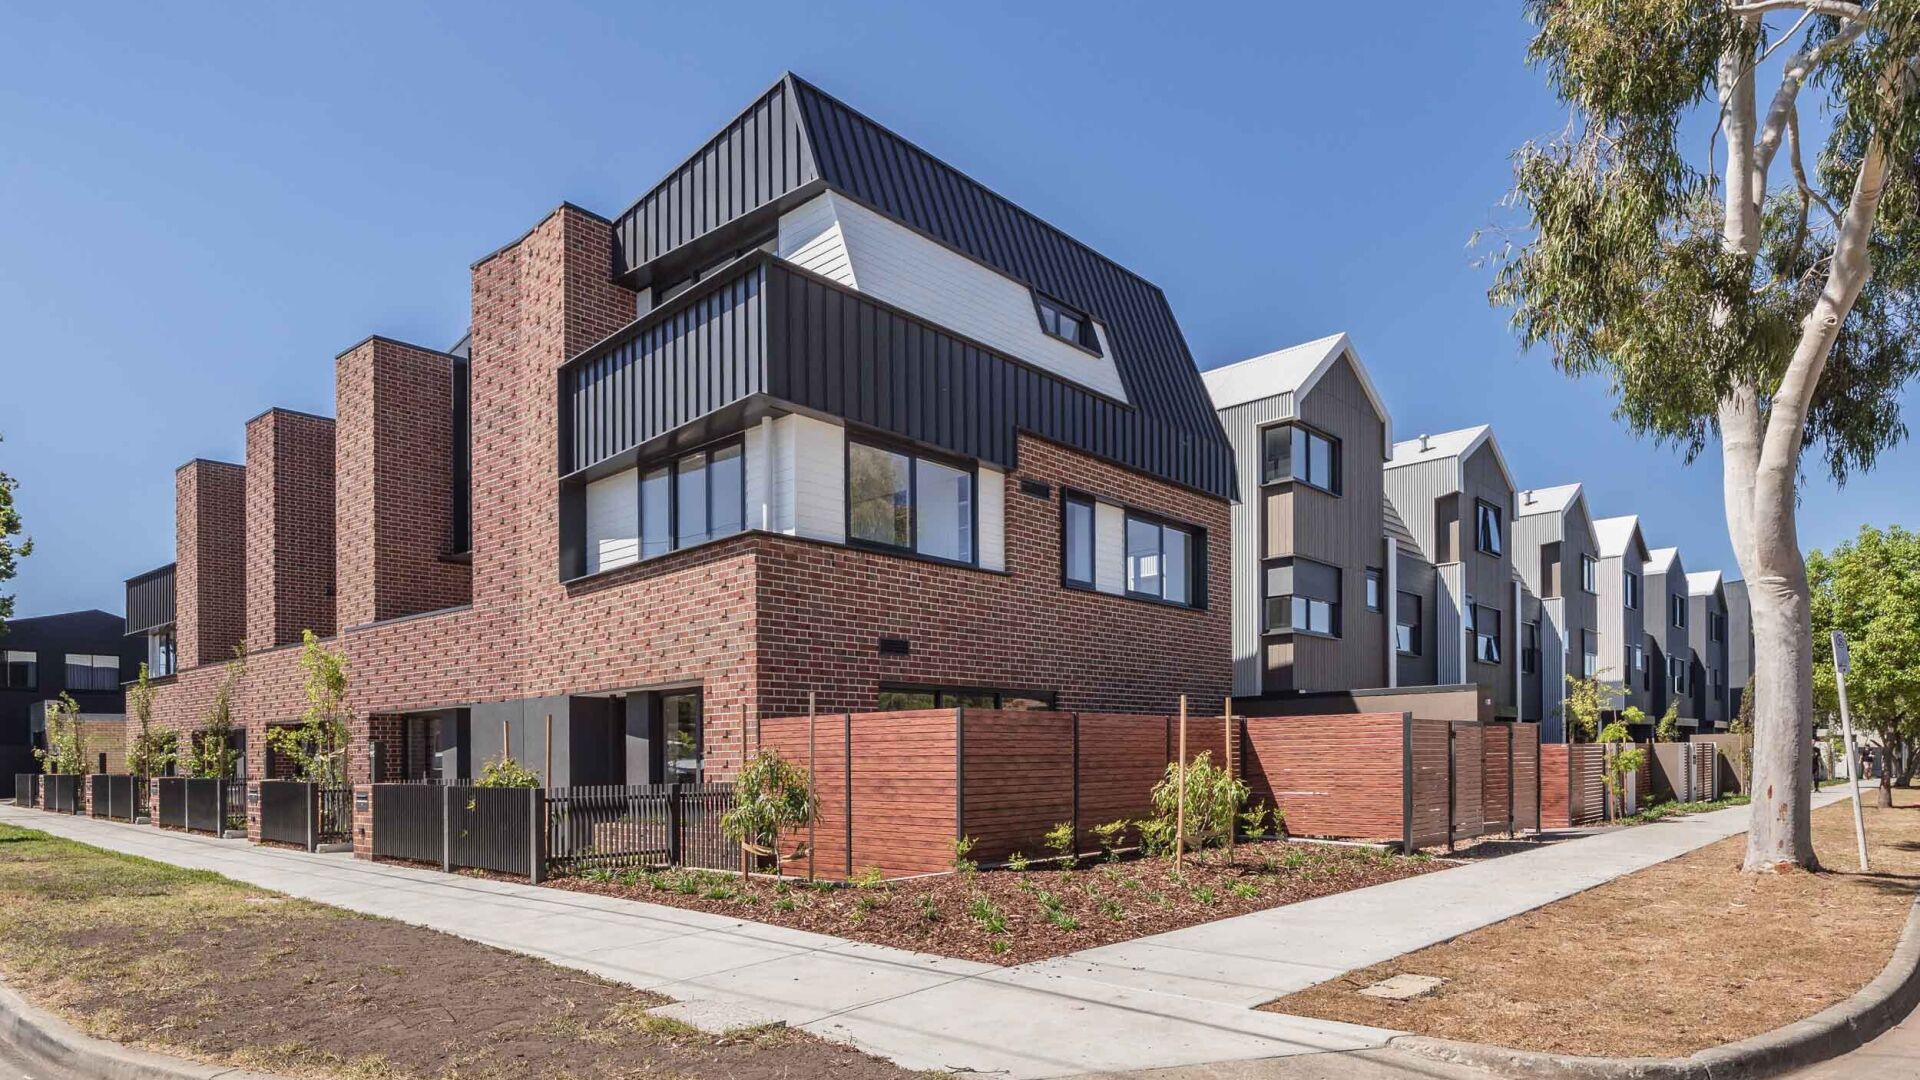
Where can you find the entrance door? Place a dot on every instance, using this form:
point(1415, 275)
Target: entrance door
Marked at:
point(681, 737)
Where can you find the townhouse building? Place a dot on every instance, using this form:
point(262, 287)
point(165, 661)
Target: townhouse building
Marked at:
point(1621, 608)
point(1455, 495)
point(818, 417)
point(1669, 646)
point(1707, 631)
point(1313, 569)
point(1739, 645)
point(83, 654)
point(1557, 554)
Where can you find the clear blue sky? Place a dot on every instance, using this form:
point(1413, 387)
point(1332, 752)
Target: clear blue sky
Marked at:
point(205, 203)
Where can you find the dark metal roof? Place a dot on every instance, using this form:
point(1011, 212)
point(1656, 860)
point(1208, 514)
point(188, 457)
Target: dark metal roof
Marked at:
point(796, 140)
point(150, 600)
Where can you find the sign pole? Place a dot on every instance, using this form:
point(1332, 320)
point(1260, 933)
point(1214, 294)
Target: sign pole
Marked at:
point(1842, 667)
point(1180, 797)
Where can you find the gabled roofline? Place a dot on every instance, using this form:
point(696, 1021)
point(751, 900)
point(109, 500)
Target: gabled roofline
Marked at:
point(1338, 344)
point(1485, 437)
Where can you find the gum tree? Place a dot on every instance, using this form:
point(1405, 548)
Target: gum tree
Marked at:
point(1678, 243)
point(11, 550)
point(1869, 587)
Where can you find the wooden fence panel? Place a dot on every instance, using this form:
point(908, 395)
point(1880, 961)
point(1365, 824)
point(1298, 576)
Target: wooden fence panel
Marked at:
point(1496, 774)
point(1018, 769)
point(1469, 789)
point(1432, 779)
point(1588, 762)
point(1526, 776)
point(1335, 776)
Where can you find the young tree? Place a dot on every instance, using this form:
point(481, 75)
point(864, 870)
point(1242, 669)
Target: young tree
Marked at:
point(66, 752)
point(1587, 700)
point(1770, 307)
point(11, 550)
point(318, 746)
point(1869, 588)
point(1667, 728)
point(149, 752)
point(211, 753)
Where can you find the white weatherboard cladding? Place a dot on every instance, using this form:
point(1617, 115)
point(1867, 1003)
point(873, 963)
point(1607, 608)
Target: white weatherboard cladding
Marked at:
point(1242, 424)
point(759, 476)
point(613, 521)
point(1109, 548)
point(841, 239)
point(809, 479)
point(993, 518)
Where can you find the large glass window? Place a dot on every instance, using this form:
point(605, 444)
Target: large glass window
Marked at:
point(656, 512)
point(1303, 597)
point(898, 500)
point(908, 698)
point(87, 671)
point(1373, 588)
point(160, 654)
point(1486, 527)
point(1406, 629)
point(1159, 560)
point(1677, 674)
point(681, 733)
point(1530, 648)
point(1589, 574)
point(1631, 582)
point(1078, 540)
point(1292, 452)
point(695, 498)
point(1483, 623)
point(690, 502)
point(22, 670)
point(1589, 655)
point(1677, 609)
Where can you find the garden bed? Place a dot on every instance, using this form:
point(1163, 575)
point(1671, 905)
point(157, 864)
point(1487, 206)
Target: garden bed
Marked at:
point(1664, 962)
point(1010, 916)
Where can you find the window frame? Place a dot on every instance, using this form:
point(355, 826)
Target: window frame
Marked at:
point(88, 685)
point(1483, 507)
point(1676, 675)
point(1196, 558)
point(1336, 613)
point(1473, 610)
point(1074, 498)
point(670, 462)
point(6, 669)
point(1630, 589)
point(1677, 610)
point(1589, 654)
point(1089, 339)
point(1000, 694)
point(1374, 595)
point(914, 456)
point(1589, 574)
point(1530, 647)
point(1335, 452)
point(1418, 626)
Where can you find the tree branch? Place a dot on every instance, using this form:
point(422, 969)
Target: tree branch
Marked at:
point(1839, 9)
point(1792, 78)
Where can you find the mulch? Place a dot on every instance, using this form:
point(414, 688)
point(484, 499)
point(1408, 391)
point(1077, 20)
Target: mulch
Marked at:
point(1012, 917)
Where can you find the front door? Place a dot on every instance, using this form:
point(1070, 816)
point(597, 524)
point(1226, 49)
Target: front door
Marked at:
point(681, 737)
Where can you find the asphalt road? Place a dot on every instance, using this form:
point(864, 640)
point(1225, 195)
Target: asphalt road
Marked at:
point(15, 1067)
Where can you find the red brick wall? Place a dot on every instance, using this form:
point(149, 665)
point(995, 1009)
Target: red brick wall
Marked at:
point(210, 549)
point(394, 457)
point(290, 533)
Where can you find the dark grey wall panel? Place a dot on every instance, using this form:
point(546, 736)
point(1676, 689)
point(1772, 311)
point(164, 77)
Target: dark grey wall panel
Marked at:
point(150, 600)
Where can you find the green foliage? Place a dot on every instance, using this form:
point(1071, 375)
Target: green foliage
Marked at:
point(963, 863)
point(1111, 836)
point(1254, 821)
point(11, 550)
point(1587, 699)
point(770, 796)
point(1214, 798)
point(1017, 862)
point(1060, 841)
point(318, 745)
point(211, 751)
point(982, 910)
point(66, 750)
point(1623, 757)
point(504, 772)
point(149, 752)
point(1667, 728)
point(1869, 589)
point(870, 878)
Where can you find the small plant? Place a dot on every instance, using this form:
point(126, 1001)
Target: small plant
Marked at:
point(999, 945)
point(990, 918)
point(1253, 820)
point(1112, 836)
point(150, 752)
point(1111, 909)
point(210, 751)
point(1213, 800)
point(785, 903)
point(1061, 841)
point(66, 750)
point(1205, 894)
point(1060, 920)
point(963, 863)
point(1156, 835)
point(1017, 862)
point(318, 746)
point(1621, 763)
point(1245, 890)
point(770, 795)
point(871, 878)
point(929, 909)
point(1667, 728)
point(504, 772)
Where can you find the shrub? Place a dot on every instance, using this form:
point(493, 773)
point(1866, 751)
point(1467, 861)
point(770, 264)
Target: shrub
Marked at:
point(1214, 797)
point(770, 796)
point(1253, 822)
point(150, 752)
point(990, 918)
point(504, 772)
point(66, 750)
point(318, 746)
point(963, 863)
point(1111, 836)
point(1017, 862)
point(1060, 840)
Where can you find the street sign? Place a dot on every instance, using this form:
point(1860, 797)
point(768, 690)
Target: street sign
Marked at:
point(1842, 661)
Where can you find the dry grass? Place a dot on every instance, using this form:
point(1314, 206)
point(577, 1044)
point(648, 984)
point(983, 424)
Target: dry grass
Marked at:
point(1673, 959)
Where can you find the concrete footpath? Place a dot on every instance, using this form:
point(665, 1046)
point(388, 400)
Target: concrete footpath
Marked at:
point(1177, 999)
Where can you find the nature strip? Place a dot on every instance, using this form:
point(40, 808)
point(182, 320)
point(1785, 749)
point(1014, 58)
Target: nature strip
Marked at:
point(1835, 1030)
point(58, 1046)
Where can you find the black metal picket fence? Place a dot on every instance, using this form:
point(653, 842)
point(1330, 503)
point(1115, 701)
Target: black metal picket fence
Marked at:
point(304, 814)
point(562, 830)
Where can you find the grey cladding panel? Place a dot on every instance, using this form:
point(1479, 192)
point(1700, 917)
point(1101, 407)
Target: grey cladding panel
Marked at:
point(150, 600)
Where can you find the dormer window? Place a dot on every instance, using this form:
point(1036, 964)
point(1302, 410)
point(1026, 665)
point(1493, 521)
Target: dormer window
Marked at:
point(1063, 322)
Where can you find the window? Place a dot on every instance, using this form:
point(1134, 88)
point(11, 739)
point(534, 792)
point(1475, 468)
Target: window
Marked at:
point(1484, 624)
point(1070, 326)
point(1589, 574)
point(682, 736)
point(1406, 623)
point(906, 698)
point(160, 655)
point(1632, 590)
point(23, 670)
point(1677, 610)
point(1292, 452)
point(1717, 679)
point(1486, 527)
point(1373, 588)
point(1530, 648)
point(1589, 655)
point(92, 672)
point(1677, 674)
point(1160, 562)
point(1303, 596)
point(1646, 670)
point(1716, 626)
point(698, 497)
point(1077, 533)
point(904, 501)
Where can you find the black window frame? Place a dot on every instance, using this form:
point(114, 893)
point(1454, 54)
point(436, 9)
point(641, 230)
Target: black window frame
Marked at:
point(941, 691)
point(1630, 589)
point(1589, 654)
point(1677, 610)
point(1589, 574)
point(1418, 626)
point(91, 682)
point(1196, 558)
point(1530, 647)
point(1482, 510)
point(1376, 584)
point(1473, 620)
point(914, 456)
point(1088, 339)
point(1676, 675)
point(1336, 454)
point(1716, 627)
point(1070, 499)
point(671, 463)
point(32, 665)
point(1336, 613)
